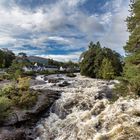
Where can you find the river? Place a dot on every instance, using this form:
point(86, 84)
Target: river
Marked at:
point(84, 112)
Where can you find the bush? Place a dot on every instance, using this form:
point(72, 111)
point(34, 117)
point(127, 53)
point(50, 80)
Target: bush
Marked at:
point(20, 95)
point(30, 73)
point(5, 104)
point(125, 89)
point(27, 100)
point(23, 83)
point(7, 90)
point(17, 74)
point(5, 77)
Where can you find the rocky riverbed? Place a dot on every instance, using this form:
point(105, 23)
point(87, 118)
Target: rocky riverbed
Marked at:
point(77, 108)
point(84, 112)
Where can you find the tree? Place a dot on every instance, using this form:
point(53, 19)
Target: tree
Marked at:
point(132, 48)
point(91, 60)
point(9, 57)
point(88, 60)
point(107, 70)
point(6, 58)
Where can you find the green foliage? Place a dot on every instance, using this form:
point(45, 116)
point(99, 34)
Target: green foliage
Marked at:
point(5, 104)
point(8, 91)
point(17, 74)
point(16, 68)
point(132, 48)
point(27, 99)
point(92, 59)
point(5, 76)
point(19, 94)
point(23, 83)
point(133, 25)
point(132, 75)
point(6, 58)
point(107, 70)
point(30, 73)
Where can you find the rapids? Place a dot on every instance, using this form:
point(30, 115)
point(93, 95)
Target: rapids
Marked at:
point(84, 113)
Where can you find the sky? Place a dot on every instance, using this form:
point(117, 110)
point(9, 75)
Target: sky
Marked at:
point(62, 29)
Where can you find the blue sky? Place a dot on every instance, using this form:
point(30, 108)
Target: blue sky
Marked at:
point(62, 29)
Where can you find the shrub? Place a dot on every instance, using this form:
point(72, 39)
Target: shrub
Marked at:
point(23, 83)
point(30, 73)
point(5, 77)
point(17, 74)
point(5, 104)
point(27, 100)
point(9, 91)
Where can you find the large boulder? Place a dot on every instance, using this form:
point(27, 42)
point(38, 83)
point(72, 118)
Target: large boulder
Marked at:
point(18, 126)
point(45, 99)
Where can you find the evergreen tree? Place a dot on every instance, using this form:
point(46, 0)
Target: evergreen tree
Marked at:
point(106, 69)
point(132, 48)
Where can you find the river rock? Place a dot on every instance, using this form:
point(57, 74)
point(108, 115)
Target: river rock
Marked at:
point(53, 80)
point(45, 99)
point(63, 84)
point(12, 134)
point(20, 122)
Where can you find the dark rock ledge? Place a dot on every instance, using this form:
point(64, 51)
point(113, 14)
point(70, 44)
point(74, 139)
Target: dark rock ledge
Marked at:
point(20, 125)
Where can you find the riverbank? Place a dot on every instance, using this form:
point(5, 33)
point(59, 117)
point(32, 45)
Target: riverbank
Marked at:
point(20, 122)
point(76, 108)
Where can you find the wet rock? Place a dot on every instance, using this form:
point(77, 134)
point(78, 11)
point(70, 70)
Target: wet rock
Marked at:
point(45, 78)
point(53, 80)
point(12, 134)
point(63, 84)
point(36, 82)
point(45, 99)
point(26, 118)
point(104, 93)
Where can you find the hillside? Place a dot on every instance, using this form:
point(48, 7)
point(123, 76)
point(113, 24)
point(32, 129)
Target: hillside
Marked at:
point(38, 59)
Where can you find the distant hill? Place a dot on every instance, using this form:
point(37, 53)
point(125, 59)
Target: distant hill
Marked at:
point(36, 59)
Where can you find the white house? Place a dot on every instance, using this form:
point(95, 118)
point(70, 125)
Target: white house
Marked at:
point(62, 69)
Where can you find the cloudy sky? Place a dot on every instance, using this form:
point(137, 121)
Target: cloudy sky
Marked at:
point(62, 29)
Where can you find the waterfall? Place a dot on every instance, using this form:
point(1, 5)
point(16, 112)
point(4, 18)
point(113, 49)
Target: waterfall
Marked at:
point(84, 113)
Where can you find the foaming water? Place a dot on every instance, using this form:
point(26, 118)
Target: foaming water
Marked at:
point(84, 113)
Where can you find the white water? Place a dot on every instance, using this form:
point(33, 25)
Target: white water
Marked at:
point(84, 113)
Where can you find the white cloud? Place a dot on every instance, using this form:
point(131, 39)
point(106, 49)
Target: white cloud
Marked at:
point(50, 22)
point(64, 58)
point(59, 39)
point(6, 40)
point(117, 35)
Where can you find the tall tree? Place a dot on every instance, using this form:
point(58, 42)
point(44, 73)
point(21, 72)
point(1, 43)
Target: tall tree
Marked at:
point(132, 48)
